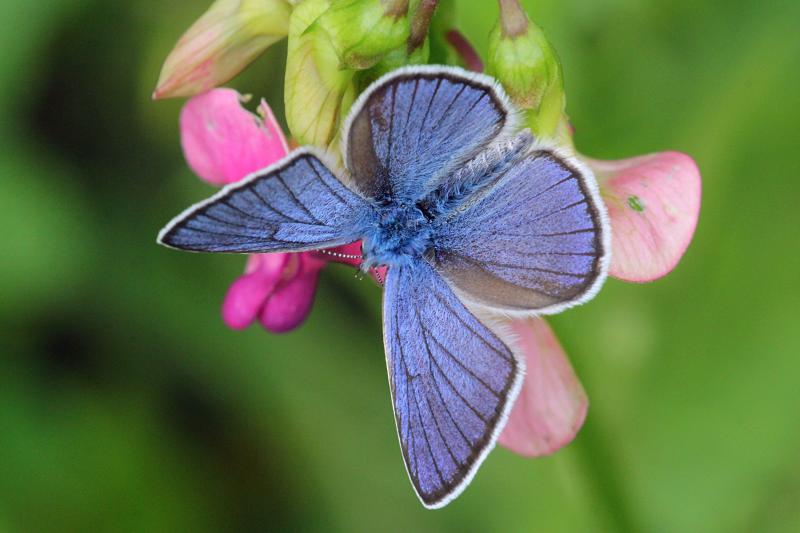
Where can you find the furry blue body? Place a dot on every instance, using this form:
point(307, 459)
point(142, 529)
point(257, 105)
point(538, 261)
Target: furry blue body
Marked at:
point(397, 234)
point(398, 231)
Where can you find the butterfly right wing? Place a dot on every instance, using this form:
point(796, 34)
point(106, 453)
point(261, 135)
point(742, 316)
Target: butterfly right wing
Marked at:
point(297, 204)
point(410, 128)
point(452, 380)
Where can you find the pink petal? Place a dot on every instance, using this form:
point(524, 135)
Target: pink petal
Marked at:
point(289, 306)
point(223, 142)
point(653, 202)
point(246, 296)
point(552, 404)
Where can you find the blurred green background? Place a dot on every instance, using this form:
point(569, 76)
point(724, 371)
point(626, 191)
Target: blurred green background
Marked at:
point(126, 405)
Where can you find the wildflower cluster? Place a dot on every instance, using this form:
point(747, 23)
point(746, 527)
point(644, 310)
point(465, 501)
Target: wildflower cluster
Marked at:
point(335, 48)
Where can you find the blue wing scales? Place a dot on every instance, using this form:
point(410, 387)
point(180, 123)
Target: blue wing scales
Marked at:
point(452, 381)
point(536, 241)
point(295, 205)
point(409, 130)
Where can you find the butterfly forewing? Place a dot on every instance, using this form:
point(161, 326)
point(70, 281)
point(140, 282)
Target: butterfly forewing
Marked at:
point(295, 205)
point(409, 130)
point(537, 241)
point(452, 381)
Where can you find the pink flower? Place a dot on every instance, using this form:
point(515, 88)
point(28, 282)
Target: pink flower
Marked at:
point(653, 204)
point(222, 143)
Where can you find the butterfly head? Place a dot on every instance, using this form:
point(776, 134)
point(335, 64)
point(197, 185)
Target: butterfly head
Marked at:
point(398, 233)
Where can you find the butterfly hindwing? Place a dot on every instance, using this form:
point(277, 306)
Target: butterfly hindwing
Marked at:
point(452, 381)
point(413, 126)
point(537, 241)
point(295, 205)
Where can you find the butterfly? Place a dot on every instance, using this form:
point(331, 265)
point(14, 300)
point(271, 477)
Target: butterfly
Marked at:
point(473, 218)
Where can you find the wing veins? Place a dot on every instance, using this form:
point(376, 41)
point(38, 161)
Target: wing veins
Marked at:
point(560, 209)
point(297, 201)
point(439, 431)
point(272, 208)
point(458, 393)
point(216, 233)
point(326, 184)
point(461, 364)
point(558, 234)
point(221, 221)
point(450, 105)
point(226, 201)
point(442, 301)
point(427, 441)
point(413, 99)
point(390, 140)
point(447, 409)
point(428, 110)
point(427, 400)
point(409, 379)
point(535, 269)
point(492, 274)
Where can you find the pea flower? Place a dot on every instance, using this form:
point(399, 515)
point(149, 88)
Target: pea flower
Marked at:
point(222, 143)
point(334, 48)
point(653, 204)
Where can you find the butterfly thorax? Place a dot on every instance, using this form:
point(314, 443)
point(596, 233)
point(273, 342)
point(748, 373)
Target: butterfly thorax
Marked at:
point(398, 234)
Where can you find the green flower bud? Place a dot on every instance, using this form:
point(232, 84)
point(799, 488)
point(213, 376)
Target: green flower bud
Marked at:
point(363, 31)
point(317, 92)
point(399, 57)
point(523, 60)
point(229, 36)
point(414, 51)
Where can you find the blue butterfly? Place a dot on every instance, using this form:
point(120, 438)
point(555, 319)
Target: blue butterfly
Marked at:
point(472, 218)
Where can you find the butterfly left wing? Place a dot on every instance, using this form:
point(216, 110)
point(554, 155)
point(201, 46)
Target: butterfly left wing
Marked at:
point(297, 204)
point(452, 380)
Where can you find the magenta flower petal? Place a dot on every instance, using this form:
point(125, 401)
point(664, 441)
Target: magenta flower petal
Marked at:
point(552, 404)
point(291, 302)
point(653, 202)
point(223, 142)
point(246, 296)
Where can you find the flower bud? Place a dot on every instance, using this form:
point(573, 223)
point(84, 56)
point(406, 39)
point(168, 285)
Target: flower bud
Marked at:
point(317, 92)
point(361, 32)
point(223, 41)
point(522, 59)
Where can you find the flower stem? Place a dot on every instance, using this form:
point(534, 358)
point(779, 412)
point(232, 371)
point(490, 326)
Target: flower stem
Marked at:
point(464, 49)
